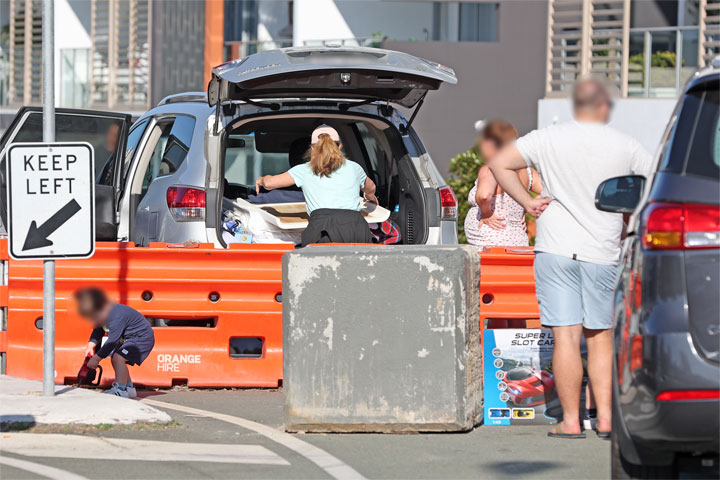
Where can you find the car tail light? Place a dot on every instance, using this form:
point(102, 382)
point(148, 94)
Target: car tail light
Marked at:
point(448, 202)
point(636, 352)
point(186, 204)
point(684, 395)
point(673, 226)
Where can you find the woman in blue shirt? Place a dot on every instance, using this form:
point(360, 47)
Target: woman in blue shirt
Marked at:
point(331, 185)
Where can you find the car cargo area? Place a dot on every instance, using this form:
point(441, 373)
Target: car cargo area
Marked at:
point(273, 144)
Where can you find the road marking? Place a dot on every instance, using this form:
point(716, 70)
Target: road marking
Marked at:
point(42, 470)
point(331, 464)
point(102, 448)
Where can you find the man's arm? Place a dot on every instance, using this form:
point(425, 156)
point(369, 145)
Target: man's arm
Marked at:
point(504, 167)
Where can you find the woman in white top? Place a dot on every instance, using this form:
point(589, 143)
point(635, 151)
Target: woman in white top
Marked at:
point(495, 219)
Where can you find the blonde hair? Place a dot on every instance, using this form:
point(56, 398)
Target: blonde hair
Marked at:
point(325, 156)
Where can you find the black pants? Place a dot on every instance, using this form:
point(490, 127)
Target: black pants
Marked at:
point(329, 225)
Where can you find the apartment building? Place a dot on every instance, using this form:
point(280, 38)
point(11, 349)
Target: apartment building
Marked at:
point(515, 59)
point(646, 50)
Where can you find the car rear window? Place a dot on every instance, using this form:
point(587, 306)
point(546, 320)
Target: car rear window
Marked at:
point(696, 143)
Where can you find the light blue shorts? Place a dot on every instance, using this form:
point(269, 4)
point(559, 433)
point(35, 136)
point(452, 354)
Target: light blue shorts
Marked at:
point(572, 292)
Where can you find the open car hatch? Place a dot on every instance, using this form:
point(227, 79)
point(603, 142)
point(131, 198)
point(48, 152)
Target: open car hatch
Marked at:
point(360, 73)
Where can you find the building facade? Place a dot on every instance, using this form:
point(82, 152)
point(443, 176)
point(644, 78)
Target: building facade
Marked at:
point(515, 59)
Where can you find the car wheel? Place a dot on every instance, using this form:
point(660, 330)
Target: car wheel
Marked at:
point(622, 469)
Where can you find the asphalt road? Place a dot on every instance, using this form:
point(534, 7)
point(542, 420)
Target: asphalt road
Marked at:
point(246, 440)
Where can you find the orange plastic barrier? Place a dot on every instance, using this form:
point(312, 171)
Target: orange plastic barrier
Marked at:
point(507, 288)
point(208, 296)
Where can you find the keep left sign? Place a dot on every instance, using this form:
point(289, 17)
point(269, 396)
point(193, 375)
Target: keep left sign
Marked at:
point(51, 198)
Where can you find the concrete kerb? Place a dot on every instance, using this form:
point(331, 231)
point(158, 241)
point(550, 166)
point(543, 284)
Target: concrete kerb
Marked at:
point(22, 402)
point(382, 339)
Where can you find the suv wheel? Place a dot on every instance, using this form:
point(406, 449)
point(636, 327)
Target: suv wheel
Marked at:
point(622, 469)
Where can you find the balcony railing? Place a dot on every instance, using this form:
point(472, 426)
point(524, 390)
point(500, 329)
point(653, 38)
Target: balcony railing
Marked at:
point(593, 38)
point(661, 60)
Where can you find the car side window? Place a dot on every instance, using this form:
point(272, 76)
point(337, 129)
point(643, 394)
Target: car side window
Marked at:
point(694, 146)
point(169, 144)
point(703, 157)
point(155, 168)
point(103, 133)
point(134, 137)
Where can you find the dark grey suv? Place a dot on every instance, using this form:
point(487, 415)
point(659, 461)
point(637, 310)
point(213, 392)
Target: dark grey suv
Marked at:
point(667, 304)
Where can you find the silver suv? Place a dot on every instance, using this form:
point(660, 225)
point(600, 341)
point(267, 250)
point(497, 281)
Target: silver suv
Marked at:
point(164, 178)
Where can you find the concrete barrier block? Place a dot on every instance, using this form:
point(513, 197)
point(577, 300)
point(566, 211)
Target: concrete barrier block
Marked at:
point(382, 339)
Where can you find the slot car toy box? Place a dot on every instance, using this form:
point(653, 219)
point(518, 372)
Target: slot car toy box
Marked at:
point(519, 386)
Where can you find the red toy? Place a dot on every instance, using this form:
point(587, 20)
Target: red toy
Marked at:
point(86, 375)
point(527, 386)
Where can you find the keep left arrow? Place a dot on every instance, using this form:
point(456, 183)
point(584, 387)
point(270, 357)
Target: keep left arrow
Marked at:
point(37, 236)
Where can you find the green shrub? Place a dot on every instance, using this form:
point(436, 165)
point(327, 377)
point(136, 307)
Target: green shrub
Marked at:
point(658, 59)
point(463, 172)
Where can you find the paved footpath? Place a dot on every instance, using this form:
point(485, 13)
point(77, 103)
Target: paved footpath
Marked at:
point(238, 434)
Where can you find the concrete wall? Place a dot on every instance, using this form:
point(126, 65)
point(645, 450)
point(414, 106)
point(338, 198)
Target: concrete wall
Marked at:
point(382, 339)
point(502, 79)
point(643, 118)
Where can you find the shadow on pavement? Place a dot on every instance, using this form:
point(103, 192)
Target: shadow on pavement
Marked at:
point(522, 467)
point(16, 423)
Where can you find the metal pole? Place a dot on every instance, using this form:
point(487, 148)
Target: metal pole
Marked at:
point(48, 93)
point(678, 61)
point(647, 44)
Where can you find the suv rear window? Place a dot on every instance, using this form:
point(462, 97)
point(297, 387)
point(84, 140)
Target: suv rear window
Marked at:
point(696, 144)
point(244, 163)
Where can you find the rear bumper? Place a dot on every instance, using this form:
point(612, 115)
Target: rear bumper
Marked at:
point(659, 429)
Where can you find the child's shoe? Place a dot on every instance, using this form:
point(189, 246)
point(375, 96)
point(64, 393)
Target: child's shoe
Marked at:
point(118, 390)
point(131, 392)
point(115, 387)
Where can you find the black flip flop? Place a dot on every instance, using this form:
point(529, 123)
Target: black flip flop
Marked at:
point(603, 435)
point(567, 435)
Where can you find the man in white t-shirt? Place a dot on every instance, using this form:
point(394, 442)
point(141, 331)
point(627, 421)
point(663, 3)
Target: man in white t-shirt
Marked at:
point(577, 246)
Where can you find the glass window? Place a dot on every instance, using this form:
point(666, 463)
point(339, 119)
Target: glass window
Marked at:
point(103, 133)
point(244, 163)
point(695, 144)
point(703, 158)
point(171, 148)
point(156, 168)
point(183, 129)
point(478, 22)
point(74, 77)
point(134, 137)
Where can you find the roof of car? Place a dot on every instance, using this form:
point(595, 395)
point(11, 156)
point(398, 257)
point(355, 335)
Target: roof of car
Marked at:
point(711, 69)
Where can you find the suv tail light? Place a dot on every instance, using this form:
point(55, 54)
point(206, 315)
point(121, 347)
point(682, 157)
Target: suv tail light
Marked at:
point(448, 202)
point(186, 204)
point(676, 226)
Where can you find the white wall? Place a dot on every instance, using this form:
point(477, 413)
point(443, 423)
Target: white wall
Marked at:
point(69, 33)
point(272, 19)
point(346, 19)
point(643, 118)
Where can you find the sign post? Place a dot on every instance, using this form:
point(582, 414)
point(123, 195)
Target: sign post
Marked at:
point(48, 93)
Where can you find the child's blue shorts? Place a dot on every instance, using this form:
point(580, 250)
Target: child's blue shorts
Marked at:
point(135, 350)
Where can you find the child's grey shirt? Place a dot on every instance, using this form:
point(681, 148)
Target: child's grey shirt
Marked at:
point(123, 323)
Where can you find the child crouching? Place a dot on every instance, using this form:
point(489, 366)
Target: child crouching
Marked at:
point(130, 337)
